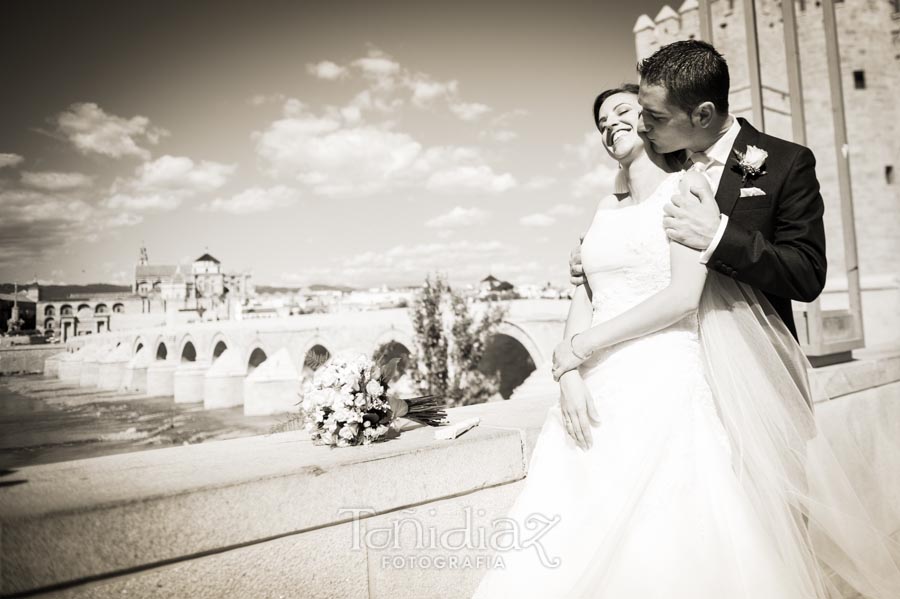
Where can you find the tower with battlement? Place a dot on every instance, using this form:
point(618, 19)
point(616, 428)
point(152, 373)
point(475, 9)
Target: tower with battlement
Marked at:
point(869, 38)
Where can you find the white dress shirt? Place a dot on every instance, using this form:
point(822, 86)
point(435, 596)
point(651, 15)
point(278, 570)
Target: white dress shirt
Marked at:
point(716, 156)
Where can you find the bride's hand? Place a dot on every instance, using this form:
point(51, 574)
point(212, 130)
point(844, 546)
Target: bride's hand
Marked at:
point(564, 359)
point(578, 410)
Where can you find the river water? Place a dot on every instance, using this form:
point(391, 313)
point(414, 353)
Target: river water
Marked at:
point(44, 420)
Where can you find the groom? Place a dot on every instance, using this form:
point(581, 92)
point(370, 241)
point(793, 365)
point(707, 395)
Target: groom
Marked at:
point(763, 223)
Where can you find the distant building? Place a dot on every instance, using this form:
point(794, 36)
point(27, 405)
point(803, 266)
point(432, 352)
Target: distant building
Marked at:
point(493, 288)
point(17, 312)
point(202, 286)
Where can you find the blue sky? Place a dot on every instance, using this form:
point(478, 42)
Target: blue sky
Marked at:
point(342, 142)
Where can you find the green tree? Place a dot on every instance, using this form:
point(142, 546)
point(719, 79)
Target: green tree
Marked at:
point(450, 344)
point(430, 352)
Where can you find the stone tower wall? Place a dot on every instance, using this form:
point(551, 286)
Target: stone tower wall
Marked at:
point(869, 40)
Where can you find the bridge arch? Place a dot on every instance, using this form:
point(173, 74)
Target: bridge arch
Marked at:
point(219, 344)
point(188, 350)
point(513, 354)
point(255, 357)
point(313, 355)
point(394, 344)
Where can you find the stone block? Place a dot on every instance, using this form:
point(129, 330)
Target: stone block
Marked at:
point(223, 384)
point(273, 387)
point(189, 382)
point(160, 378)
point(100, 516)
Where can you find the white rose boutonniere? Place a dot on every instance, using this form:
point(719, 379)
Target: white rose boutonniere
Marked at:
point(751, 162)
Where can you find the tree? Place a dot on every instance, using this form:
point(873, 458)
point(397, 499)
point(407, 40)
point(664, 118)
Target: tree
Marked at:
point(450, 343)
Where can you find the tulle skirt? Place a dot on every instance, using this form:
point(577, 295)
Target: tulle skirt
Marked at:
point(653, 508)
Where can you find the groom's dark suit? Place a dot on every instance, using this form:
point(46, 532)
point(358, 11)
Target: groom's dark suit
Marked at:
point(773, 242)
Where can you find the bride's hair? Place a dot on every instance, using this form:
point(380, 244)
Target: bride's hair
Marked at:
point(667, 162)
point(625, 88)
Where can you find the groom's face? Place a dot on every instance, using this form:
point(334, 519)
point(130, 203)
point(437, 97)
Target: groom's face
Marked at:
point(665, 125)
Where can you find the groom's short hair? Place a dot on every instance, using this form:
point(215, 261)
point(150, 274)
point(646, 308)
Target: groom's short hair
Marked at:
point(692, 71)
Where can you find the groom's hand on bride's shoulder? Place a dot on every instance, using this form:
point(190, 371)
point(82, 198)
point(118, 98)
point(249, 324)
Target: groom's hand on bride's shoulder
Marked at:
point(692, 216)
point(576, 271)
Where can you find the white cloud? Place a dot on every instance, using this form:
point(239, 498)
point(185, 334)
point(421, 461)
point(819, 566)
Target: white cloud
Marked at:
point(426, 90)
point(469, 111)
point(36, 224)
point(377, 64)
point(597, 168)
point(564, 210)
point(596, 183)
point(459, 217)
point(470, 178)
point(538, 183)
point(260, 99)
point(93, 131)
point(326, 70)
point(335, 160)
point(10, 160)
point(254, 199)
point(537, 220)
point(166, 182)
point(501, 135)
point(183, 174)
point(162, 202)
point(54, 181)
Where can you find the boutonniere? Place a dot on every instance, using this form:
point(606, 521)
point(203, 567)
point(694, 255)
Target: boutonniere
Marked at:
point(751, 163)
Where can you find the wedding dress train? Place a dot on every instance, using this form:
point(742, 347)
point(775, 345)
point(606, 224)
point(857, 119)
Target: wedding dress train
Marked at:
point(680, 496)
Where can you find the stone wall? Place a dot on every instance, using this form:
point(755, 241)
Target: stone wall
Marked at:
point(869, 40)
point(27, 359)
point(267, 516)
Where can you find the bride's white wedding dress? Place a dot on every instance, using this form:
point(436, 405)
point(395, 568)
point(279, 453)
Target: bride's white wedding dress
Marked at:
point(654, 509)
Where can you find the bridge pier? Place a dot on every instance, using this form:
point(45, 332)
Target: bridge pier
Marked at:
point(70, 367)
point(51, 364)
point(90, 365)
point(273, 388)
point(135, 376)
point(160, 375)
point(188, 382)
point(223, 386)
point(112, 368)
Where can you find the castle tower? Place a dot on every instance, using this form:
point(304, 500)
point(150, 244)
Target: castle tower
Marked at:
point(870, 63)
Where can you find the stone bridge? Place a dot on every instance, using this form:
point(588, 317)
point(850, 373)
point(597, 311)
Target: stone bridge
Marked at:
point(259, 363)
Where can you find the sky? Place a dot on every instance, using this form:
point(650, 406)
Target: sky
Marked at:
point(348, 143)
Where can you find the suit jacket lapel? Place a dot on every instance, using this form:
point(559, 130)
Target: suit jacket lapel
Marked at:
point(730, 184)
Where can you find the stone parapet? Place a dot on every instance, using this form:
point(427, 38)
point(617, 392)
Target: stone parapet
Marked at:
point(266, 515)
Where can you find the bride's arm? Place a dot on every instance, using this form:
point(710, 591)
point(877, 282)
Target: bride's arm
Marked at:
point(580, 311)
point(664, 308)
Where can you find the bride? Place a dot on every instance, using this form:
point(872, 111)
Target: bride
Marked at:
point(683, 459)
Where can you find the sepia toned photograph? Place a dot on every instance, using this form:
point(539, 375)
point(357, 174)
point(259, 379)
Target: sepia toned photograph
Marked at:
point(469, 300)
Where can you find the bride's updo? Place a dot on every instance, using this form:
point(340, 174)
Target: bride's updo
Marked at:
point(667, 162)
point(625, 88)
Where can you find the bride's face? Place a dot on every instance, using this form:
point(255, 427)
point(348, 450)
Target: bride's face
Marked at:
point(618, 121)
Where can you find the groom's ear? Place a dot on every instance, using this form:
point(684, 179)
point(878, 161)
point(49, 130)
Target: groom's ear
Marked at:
point(703, 114)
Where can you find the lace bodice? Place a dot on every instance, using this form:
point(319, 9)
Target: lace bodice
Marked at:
point(625, 253)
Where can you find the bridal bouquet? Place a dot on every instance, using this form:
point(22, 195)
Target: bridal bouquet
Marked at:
point(347, 403)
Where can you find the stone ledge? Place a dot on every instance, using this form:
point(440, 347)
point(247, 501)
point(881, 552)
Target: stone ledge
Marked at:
point(164, 506)
point(174, 503)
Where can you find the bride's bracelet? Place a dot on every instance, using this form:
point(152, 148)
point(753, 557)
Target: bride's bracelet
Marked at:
point(572, 347)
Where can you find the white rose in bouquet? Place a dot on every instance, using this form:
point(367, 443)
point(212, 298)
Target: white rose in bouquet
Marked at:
point(374, 389)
